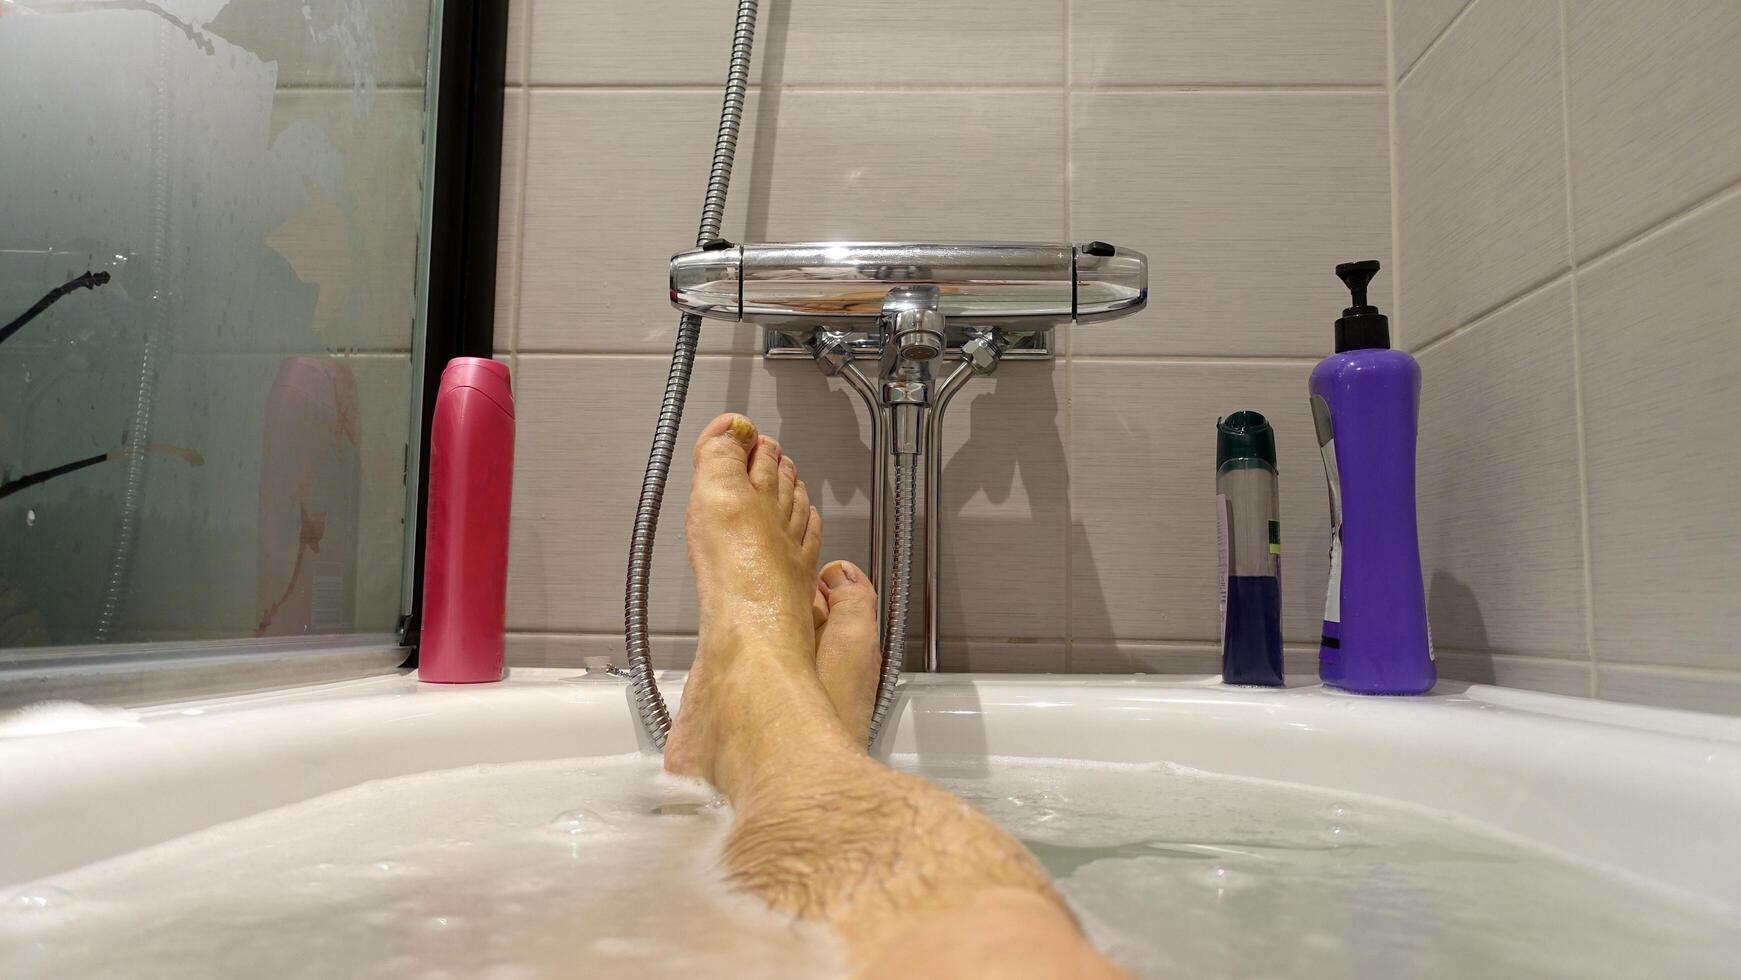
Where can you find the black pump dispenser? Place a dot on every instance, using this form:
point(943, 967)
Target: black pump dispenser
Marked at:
point(1361, 326)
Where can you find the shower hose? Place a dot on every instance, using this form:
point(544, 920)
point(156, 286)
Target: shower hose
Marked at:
point(655, 717)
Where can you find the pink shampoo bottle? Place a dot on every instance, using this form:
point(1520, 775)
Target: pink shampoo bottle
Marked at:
point(465, 553)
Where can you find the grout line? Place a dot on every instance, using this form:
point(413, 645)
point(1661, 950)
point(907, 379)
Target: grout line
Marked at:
point(1505, 306)
point(617, 87)
point(1434, 43)
point(1194, 359)
point(1069, 360)
point(1675, 670)
point(1188, 646)
point(1709, 202)
point(1254, 87)
point(1693, 212)
point(1034, 641)
point(860, 87)
point(595, 635)
point(1171, 359)
point(1396, 317)
point(518, 250)
point(608, 355)
point(1577, 363)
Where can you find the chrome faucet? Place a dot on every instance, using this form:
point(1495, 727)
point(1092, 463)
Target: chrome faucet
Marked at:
point(910, 307)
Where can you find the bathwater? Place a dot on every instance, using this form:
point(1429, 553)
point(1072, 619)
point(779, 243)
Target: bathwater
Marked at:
point(603, 868)
point(1180, 873)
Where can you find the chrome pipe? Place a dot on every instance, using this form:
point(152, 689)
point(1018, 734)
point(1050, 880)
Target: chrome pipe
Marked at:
point(847, 285)
point(957, 380)
point(879, 471)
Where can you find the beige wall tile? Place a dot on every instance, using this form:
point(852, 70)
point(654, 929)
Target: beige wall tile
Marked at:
point(508, 218)
point(1417, 23)
point(802, 42)
point(1043, 657)
point(614, 180)
point(908, 166)
point(1481, 171)
point(1126, 657)
point(1005, 509)
point(1244, 203)
point(1661, 365)
point(1714, 691)
point(1655, 121)
point(1197, 42)
point(1549, 674)
point(573, 649)
point(1142, 489)
point(584, 428)
point(1502, 543)
point(614, 184)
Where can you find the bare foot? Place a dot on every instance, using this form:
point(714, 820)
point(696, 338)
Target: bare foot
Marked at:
point(848, 649)
point(753, 542)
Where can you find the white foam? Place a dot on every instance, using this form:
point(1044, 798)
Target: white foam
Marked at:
point(604, 867)
point(54, 717)
point(529, 869)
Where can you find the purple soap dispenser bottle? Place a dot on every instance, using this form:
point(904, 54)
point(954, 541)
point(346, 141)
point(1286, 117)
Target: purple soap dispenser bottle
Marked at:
point(1366, 406)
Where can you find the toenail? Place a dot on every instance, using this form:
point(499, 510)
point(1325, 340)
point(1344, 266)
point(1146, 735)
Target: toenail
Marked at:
point(741, 429)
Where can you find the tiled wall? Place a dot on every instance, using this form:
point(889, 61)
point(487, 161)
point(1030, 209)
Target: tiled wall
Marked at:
point(1244, 147)
point(1569, 238)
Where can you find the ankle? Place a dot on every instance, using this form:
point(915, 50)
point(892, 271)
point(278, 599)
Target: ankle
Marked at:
point(770, 722)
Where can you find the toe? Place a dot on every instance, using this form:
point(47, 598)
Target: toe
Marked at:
point(848, 652)
point(819, 606)
point(811, 542)
point(798, 514)
point(844, 583)
point(725, 444)
point(765, 465)
point(788, 484)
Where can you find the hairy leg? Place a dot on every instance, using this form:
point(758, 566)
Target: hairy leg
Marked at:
point(918, 882)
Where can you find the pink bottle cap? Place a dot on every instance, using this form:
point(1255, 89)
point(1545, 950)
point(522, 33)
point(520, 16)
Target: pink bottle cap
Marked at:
point(487, 376)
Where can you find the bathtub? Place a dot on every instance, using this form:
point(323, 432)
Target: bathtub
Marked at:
point(1652, 792)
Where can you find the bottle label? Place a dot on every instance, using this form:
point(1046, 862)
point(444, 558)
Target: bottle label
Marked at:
point(1333, 478)
point(1222, 519)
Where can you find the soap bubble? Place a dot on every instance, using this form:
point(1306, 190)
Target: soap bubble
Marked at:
point(579, 821)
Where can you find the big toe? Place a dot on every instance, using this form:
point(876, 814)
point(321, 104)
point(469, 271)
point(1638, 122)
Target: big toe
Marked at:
point(848, 652)
point(724, 446)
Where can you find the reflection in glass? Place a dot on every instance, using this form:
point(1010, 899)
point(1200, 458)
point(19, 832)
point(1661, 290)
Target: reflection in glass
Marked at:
point(207, 270)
